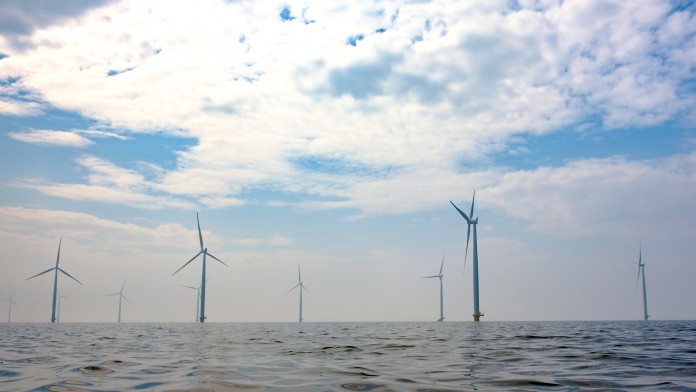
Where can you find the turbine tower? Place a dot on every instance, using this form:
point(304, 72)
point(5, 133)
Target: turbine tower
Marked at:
point(641, 272)
point(301, 286)
point(472, 222)
point(55, 281)
point(442, 316)
point(120, 297)
point(205, 253)
point(11, 301)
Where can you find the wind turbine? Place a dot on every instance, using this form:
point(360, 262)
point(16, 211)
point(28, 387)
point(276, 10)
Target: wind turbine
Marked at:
point(60, 298)
point(11, 301)
point(204, 252)
point(120, 297)
point(198, 298)
point(641, 272)
point(472, 222)
point(55, 281)
point(301, 286)
point(442, 317)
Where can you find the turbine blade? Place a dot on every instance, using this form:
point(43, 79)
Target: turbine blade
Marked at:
point(223, 263)
point(293, 288)
point(71, 277)
point(305, 289)
point(41, 273)
point(433, 276)
point(124, 297)
point(466, 251)
point(442, 264)
point(200, 236)
point(123, 285)
point(109, 295)
point(461, 212)
point(299, 275)
point(58, 257)
point(471, 214)
point(190, 287)
point(187, 263)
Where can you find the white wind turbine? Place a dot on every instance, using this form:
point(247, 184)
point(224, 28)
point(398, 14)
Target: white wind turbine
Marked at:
point(11, 301)
point(120, 297)
point(55, 282)
point(439, 275)
point(299, 284)
point(472, 222)
point(198, 297)
point(641, 272)
point(204, 252)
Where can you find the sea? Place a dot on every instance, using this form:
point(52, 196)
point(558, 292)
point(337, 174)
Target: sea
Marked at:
point(421, 356)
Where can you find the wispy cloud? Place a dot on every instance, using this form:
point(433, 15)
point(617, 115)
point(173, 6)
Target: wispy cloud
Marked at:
point(19, 108)
point(609, 197)
point(108, 183)
point(72, 138)
point(49, 137)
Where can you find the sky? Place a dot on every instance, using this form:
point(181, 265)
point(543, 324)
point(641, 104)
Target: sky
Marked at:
point(332, 136)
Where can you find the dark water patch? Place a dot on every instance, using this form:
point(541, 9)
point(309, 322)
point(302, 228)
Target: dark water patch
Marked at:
point(148, 385)
point(522, 383)
point(7, 373)
point(352, 386)
point(118, 362)
point(229, 386)
point(94, 370)
point(338, 349)
point(155, 371)
point(595, 384)
point(398, 346)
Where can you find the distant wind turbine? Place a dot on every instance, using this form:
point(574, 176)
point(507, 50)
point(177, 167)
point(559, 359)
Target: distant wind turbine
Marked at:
point(472, 222)
point(120, 297)
point(442, 317)
point(301, 286)
point(11, 301)
point(60, 298)
point(198, 298)
point(641, 272)
point(55, 281)
point(204, 252)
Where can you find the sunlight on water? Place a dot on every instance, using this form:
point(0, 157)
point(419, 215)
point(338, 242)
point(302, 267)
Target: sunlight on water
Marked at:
point(349, 356)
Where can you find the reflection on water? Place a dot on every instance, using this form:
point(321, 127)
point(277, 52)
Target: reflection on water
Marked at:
point(349, 356)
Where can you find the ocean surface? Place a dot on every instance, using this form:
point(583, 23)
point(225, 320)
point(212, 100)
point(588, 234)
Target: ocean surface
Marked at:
point(450, 356)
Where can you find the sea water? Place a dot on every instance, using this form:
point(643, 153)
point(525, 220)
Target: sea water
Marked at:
point(449, 356)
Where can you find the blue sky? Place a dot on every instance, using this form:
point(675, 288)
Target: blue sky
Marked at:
point(333, 136)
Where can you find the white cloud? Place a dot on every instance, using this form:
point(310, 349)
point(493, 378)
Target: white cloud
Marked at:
point(48, 137)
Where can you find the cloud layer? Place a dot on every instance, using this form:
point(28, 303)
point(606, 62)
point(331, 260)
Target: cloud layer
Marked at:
point(385, 92)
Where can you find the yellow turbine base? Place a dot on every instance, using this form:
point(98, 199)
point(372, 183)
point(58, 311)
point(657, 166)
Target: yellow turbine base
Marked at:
point(476, 318)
